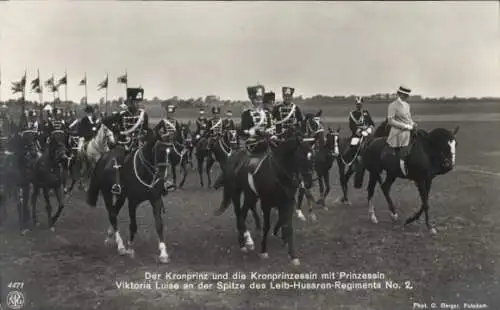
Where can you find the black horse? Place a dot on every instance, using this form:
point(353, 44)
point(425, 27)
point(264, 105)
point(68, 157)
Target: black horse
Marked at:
point(224, 145)
point(326, 149)
point(48, 175)
point(202, 153)
point(274, 178)
point(431, 154)
point(178, 153)
point(142, 178)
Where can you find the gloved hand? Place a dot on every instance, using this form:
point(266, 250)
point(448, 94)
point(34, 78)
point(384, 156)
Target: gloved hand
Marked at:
point(251, 132)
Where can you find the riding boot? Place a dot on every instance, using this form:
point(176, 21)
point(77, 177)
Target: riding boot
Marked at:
point(402, 154)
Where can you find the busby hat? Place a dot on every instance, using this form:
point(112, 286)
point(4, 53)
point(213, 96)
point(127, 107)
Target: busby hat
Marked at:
point(89, 109)
point(287, 91)
point(229, 113)
point(202, 111)
point(256, 91)
point(215, 110)
point(404, 90)
point(171, 108)
point(269, 97)
point(358, 100)
point(135, 94)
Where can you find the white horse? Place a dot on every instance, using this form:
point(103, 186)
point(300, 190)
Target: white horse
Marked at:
point(88, 153)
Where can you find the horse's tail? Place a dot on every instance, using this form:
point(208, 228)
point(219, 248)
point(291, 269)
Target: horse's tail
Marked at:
point(359, 174)
point(93, 190)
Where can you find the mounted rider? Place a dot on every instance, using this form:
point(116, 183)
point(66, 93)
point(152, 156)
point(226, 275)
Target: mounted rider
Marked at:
point(400, 120)
point(214, 126)
point(360, 123)
point(169, 126)
point(287, 115)
point(255, 120)
point(57, 122)
point(32, 120)
point(133, 121)
point(6, 129)
point(228, 122)
point(87, 127)
point(201, 124)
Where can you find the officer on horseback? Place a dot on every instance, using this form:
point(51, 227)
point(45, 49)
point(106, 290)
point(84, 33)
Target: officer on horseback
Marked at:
point(87, 126)
point(360, 123)
point(201, 124)
point(255, 120)
point(215, 123)
point(56, 123)
point(228, 122)
point(169, 126)
point(32, 122)
point(401, 123)
point(133, 121)
point(287, 115)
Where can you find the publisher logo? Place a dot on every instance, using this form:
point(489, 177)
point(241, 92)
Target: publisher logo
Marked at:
point(15, 300)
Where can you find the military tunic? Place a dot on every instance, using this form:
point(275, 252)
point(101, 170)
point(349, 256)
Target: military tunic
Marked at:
point(286, 116)
point(358, 119)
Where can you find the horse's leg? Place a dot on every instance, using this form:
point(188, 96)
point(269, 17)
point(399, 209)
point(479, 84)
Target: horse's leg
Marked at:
point(48, 206)
point(113, 220)
point(184, 171)
point(266, 209)
point(326, 178)
point(110, 238)
point(132, 208)
point(246, 241)
point(374, 178)
point(386, 189)
point(300, 198)
point(60, 207)
point(157, 213)
point(288, 231)
point(200, 158)
point(208, 168)
point(34, 198)
point(256, 217)
point(174, 171)
point(22, 208)
point(424, 187)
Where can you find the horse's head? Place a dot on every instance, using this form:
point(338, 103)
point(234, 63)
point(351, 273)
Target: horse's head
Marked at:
point(332, 140)
point(313, 126)
point(186, 135)
point(105, 136)
point(57, 146)
point(442, 145)
point(297, 152)
point(231, 137)
point(29, 141)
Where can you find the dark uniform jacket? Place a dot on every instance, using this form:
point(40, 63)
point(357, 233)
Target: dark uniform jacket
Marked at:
point(250, 119)
point(281, 111)
point(87, 128)
point(359, 118)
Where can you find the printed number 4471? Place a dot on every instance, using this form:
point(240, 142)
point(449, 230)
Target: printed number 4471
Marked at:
point(16, 285)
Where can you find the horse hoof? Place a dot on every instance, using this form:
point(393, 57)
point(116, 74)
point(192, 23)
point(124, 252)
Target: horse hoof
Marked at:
point(300, 215)
point(24, 232)
point(122, 251)
point(346, 203)
point(250, 247)
point(52, 229)
point(394, 216)
point(374, 219)
point(244, 250)
point(433, 231)
point(131, 253)
point(295, 262)
point(164, 259)
point(313, 217)
point(108, 242)
point(264, 255)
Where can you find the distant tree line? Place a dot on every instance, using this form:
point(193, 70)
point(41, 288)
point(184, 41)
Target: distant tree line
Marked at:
point(212, 100)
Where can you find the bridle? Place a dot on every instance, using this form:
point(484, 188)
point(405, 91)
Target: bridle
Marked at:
point(152, 168)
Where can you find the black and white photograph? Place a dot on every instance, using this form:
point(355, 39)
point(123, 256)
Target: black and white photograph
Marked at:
point(249, 155)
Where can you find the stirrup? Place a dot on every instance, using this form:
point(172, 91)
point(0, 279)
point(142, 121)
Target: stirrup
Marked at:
point(116, 189)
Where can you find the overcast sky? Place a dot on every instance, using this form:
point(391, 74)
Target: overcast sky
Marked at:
point(192, 49)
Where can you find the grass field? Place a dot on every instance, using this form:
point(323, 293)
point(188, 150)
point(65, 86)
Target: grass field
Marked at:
point(72, 269)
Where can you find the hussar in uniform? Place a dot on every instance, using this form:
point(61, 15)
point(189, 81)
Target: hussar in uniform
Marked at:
point(256, 119)
point(228, 122)
point(87, 127)
point(169, 126)
point(401, 123)
point(201, 124)
point(287, 115)
point(360, 123)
